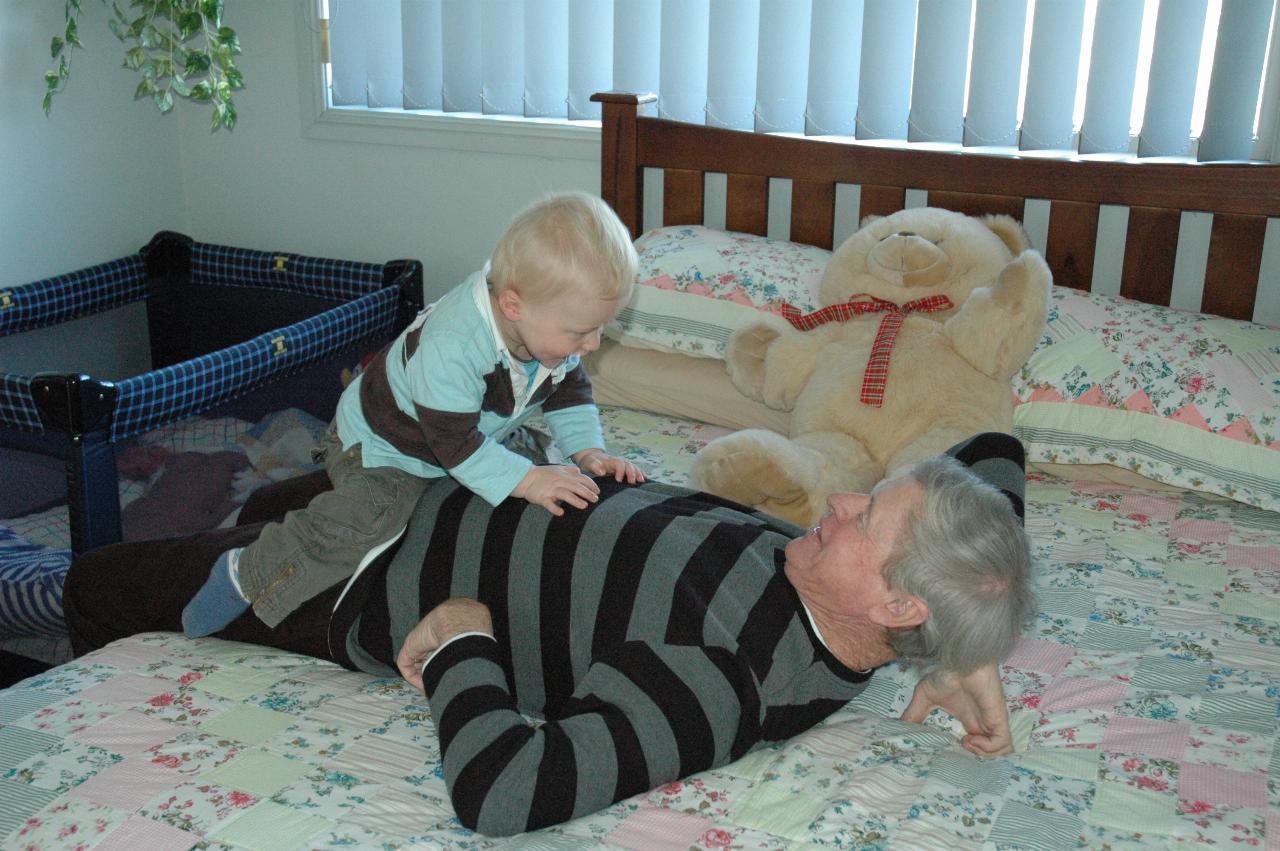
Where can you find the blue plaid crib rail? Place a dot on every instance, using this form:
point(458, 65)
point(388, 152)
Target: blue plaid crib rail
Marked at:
point(326, 310)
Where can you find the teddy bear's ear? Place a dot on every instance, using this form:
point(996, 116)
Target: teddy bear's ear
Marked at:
point(868, 219)
point(1009, 230)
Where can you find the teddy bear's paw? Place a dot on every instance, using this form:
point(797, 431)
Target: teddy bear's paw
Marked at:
point(745, 358)
point(739, 467)
point(1024, 275)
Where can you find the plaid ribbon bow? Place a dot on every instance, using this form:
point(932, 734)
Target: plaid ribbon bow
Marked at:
point(877, 374)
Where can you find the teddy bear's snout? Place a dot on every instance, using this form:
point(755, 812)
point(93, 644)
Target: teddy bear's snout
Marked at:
point(909, 259)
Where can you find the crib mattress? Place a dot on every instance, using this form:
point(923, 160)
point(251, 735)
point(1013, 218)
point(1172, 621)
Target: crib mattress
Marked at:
point(1144, 702)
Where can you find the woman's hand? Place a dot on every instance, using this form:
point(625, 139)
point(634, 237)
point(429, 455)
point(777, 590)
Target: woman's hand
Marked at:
point(450, 618)
point(976, 700)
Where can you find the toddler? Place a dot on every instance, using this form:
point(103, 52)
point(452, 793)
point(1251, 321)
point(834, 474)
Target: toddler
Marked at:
point(441, 399)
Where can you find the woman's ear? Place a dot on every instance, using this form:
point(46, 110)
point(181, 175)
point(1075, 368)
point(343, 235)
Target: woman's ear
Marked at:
point(900, 611)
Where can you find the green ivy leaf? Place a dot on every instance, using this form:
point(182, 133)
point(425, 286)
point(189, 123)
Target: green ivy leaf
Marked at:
point(47, 102)
point(197, 63)
point(234, 78)
point(149, 69)
point(73, 33)
point(180, 86)
point(116, 28)
point(51, 79)
point(202, 90)
point(189, 23)
point(134, 57)
point(55, 47)
point(229, 117)
point(145, 87)
point(212, 10)
point(228, 38)
point(164, 101)
point(215, 121)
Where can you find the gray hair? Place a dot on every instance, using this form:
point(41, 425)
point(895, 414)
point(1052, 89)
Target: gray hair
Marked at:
point(567, 242)
point(964, 552)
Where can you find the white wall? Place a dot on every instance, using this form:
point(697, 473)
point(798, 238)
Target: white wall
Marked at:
point(267, 186)
point(95, 179)
point(90, 183)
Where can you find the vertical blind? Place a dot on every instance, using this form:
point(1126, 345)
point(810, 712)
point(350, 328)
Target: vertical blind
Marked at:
point(970, 72)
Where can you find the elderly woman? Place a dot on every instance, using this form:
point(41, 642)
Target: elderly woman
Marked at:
point(659, 633)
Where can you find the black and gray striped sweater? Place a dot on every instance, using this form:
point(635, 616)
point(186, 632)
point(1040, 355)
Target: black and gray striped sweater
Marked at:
point(650, 636)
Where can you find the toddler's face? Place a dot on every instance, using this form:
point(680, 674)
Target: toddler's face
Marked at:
point(568, 324)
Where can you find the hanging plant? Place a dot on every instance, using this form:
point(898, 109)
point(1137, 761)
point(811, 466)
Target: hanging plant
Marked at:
point(180, 47)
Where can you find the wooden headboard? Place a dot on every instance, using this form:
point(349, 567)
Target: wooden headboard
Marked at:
point(1241, 196)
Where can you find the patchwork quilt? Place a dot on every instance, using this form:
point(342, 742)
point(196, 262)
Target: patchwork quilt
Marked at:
point(1144, 700)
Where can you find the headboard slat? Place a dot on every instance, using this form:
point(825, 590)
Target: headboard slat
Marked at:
point(1150, 248)
point(747, 204)
point(973, 204)
point(1235, 259)
point(682, 193)
point(1073, 228)
point(813, 209)
point(881, 200)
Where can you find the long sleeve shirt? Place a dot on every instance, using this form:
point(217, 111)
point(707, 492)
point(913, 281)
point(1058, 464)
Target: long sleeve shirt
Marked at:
point(652, 635)
point(441, 397)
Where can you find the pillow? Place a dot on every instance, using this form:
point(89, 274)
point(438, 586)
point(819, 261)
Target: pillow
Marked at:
point(31, 588)
point(1182, 398)
point(698, 285)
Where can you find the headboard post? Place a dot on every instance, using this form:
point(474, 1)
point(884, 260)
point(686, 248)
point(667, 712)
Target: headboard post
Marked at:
point(620, 179)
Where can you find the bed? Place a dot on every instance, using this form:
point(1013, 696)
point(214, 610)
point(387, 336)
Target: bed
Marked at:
point(1144, 696)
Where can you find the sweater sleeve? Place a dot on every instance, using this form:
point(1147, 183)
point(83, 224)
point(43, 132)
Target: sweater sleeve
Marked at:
point(641, 717)
point(1000, 460)
point(572, 415)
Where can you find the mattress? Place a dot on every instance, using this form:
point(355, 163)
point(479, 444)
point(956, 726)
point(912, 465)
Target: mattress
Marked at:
point(1144, 703)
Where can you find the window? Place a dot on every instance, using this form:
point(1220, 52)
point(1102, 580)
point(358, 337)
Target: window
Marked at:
point(1140, 77)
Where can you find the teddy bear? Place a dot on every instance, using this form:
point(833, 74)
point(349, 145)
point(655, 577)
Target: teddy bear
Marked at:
point(927, 314)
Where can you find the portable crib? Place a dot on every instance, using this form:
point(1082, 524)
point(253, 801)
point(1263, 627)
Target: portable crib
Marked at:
point(227, 326)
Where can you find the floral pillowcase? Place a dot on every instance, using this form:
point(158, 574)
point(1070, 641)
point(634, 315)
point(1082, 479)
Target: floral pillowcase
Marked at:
point(733, 278)
point(1183, 398)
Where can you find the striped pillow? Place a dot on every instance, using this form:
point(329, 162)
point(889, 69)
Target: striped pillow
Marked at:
point(31, 588)
point(1183, 398)
point(699, 285)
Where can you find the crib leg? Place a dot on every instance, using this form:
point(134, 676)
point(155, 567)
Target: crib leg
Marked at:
point(93, 496)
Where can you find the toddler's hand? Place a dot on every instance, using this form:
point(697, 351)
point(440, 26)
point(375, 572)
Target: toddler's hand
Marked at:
point(597, 462)
point(552, 484)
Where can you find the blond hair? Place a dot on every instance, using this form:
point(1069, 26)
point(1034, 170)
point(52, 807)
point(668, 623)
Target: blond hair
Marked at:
point(567, 242)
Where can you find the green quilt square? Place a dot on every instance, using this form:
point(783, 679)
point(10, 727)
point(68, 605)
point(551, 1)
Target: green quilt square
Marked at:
point(1133, 810)
point(250, 724)
point(258, 772)
point(269, 826)
point(1029, 827)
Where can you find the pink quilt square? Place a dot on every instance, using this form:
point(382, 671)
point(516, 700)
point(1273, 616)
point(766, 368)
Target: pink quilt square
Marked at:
point(1154, 507)
point(1033, 654)
point(144, 834)
point(129, 733)
point(128, 785)
point(1205, 531)
point(654, 829)
point(127, 689)
point(1081, 693)
point(1253, 558)
point(1216, 785)
point(1145, 736)
point(127, 655)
